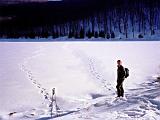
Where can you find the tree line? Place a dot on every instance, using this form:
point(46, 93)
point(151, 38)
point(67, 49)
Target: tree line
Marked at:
point(128, 20)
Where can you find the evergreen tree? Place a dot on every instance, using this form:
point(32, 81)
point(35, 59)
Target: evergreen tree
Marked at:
point(76, 35)
point(71, 34)
point(102, 34)
point(140, 36)
point(96, 34)
point(82, 33)
point(112, 35)
point(108, 35)
point(89, 34)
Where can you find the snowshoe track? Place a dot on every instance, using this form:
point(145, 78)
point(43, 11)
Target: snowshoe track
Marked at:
point(91, 64)
point(31, 77)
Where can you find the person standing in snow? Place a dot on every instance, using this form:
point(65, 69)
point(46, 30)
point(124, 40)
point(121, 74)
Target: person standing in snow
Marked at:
point(120, 79)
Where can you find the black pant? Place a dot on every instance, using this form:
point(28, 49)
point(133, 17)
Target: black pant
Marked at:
point(120, 90)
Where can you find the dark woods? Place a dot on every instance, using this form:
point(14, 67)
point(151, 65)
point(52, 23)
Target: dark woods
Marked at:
point(80, 19)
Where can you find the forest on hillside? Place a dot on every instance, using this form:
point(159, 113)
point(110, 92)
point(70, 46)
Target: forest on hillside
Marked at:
point(121, 18)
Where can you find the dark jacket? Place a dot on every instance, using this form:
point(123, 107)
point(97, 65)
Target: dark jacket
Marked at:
point(120, 73)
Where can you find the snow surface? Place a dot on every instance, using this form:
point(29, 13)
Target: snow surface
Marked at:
point(84, 77)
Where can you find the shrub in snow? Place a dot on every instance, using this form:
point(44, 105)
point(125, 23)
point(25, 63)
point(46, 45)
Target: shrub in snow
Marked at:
point(92, 33)
point(89, 34)
point(76, 35)
point(112, 35)
point(54, 34)
point(153, 32)
point(71, 34)
point(102, 34)
point(82, 33)
point(45, 34)
point(57, 34)
point(32, 35)
point(140, 36)
point(96, 34)
point(108, 35)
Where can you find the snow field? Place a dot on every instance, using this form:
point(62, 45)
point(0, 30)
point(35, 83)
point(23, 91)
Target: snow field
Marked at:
point(84, 75)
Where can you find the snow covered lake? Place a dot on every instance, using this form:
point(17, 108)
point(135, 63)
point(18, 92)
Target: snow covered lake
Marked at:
point(84, 77)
